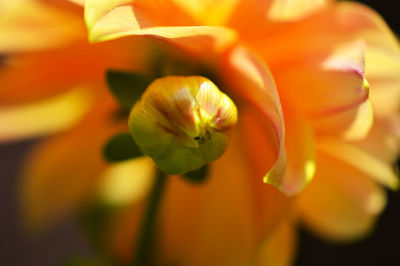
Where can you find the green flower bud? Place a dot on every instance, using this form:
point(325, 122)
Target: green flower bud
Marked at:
point(182, 123)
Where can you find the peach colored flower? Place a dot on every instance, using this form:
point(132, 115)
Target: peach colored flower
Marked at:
point(307, 119)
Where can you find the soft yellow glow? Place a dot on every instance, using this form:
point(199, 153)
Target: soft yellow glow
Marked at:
point(45, 117)
point(125, 182)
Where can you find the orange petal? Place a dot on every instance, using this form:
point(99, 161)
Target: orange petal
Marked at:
point(341, 203)
point(47, 73)
point(250, 81)
point(44, 117)
point(279, 249)
point(368, 164)
point(323, 31)
point(61, 172)
point(118, 18)
point(31, 25)
point(215, 223)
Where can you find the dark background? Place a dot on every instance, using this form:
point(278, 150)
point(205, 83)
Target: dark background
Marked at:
point(382, 248)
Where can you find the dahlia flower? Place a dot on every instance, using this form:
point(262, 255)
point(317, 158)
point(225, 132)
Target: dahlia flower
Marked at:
point(317, 90)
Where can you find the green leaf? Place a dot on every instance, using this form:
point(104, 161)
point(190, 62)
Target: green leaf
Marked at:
point(197, 176)
point(127, 87)
point(121, 147)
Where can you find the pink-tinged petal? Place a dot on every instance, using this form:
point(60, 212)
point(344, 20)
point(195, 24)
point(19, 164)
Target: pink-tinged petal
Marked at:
point(325, 82)
point(280, 248)
point(44, 117)
point(291, 10)
point(300, 148)
point(115, 19)
point(332, 89)
point(351, 124)
point(31, 25)
point(341, 203)
point(365, 162)
point(61, 173)
point(248, 79)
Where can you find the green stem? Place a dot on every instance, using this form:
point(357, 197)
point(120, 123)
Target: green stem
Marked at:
point(146, 233)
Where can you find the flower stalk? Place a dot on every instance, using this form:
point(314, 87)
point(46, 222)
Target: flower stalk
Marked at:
point(145, 243)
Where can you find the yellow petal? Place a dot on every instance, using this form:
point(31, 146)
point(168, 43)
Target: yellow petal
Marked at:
point(30, 25)
point(78, 2)
point(383, 74)
point(341, 203)
point(279, 249)
point(368, 164)
point(209, 12)
point(115, 19)
point(127, 182)
point(61, 173)
point(249, 80)
point(290, 10)
point(45, 117)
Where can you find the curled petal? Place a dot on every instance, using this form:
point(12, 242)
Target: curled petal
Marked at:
point(300, 147)
point(341, 203)
point(44, 117)
point(248, 79)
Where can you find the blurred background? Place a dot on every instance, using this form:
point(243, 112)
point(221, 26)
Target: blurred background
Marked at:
point(381, 248)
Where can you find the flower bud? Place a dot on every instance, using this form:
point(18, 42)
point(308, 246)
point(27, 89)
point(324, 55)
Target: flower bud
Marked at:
point(182, 123)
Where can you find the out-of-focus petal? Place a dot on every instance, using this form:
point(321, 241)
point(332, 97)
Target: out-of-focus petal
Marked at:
point(62, 172)
point(114, 19)
point(383, 74)
point(290, 10)
point(30, 25)
point(341, 203)
point(279, 249)
point(249, 80)
point(377, 169)
point(44, 117)
point(216, 224)
point(127, 182)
